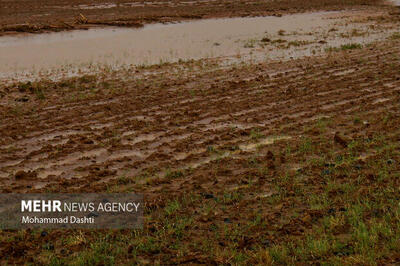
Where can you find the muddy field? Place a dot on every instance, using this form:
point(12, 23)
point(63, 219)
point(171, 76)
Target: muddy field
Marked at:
point(276, 160)
point(50, 15)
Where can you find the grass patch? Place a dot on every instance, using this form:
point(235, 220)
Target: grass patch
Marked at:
point(395, 36)
point(344, 47)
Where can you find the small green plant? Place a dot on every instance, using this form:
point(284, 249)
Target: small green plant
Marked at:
point(344, 47)
point(123, 180)
point(231, 197)
point(395, 36)
point(87, 79)
point(211, 149)
point(192, 93)
point(322, 123)
point(256, 134)
point(351, 46)
point(172, 207)
point(305, 145)
point(25, 86)
point(39, 94)
point(173, 174)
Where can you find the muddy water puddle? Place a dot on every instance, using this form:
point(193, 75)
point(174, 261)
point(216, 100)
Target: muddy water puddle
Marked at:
point(251, 38)
point(267, 141)
point(396, 2)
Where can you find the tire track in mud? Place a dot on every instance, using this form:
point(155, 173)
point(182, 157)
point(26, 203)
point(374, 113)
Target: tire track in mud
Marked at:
point(168, 134)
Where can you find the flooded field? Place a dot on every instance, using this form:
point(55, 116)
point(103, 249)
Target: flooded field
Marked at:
point(49, 16)
point(257, 140)
point(259, 38)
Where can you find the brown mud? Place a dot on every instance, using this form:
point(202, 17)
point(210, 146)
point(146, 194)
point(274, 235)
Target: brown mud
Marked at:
point(138, 123)
point(234, 40)
point(168, 134)
point(292, 162)
point(49, 16)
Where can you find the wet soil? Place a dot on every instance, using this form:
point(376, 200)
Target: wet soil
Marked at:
point(78, 126)
point(281, 162)
point(195, 128)
point(234, 40)
point(47, 15)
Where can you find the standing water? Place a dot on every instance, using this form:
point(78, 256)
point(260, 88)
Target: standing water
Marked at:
point(158, 43)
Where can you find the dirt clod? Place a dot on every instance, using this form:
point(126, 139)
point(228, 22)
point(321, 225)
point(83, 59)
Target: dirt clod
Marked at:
point(25, 175)
point(340, 140)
